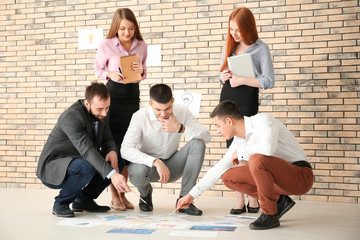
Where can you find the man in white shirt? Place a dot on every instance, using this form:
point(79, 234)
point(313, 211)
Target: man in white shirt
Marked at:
point(151, 145)
point(277, 165)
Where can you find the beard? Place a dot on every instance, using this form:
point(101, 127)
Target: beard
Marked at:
point(95, 117)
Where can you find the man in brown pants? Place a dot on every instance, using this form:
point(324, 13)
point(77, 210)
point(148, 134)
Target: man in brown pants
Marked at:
point(277, 165)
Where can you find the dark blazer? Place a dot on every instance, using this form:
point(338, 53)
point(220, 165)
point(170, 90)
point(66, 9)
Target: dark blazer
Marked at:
point(74, 137)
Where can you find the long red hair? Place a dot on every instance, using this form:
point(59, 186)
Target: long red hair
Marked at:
point(247, 27)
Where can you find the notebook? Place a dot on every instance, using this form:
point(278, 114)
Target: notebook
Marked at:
point(129, 74)
point(241, 65)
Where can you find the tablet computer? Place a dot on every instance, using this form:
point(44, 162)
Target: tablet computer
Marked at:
point(242, 65)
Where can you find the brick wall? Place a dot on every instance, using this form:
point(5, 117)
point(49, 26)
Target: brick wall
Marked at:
point(315, 49)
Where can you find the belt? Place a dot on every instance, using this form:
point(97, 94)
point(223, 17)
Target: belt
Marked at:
point(302, 164)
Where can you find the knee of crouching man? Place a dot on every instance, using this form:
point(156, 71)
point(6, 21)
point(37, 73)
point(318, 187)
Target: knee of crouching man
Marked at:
point(256, 160)
point(198, 144)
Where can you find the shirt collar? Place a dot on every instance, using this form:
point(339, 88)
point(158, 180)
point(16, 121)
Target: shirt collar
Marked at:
point(152, 114)
point(116, 42)
point(248, 127)
point(255, 44)
point(258, 41)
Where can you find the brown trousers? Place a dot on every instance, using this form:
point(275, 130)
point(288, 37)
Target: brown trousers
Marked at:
point(266, 178)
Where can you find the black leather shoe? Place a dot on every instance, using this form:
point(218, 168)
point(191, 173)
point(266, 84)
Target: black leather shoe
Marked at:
point(89, 206)
point(237, 211)
point(62, 210)
point(253, 209)
point(284, 204)
point(148, 206)
point(192, 210)
point(265, 221)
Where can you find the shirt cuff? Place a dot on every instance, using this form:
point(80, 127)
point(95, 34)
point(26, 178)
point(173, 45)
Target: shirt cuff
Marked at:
point(104, 75)
point(150, 161)
point(243, 155)
point(111, 173)
point(195, 192)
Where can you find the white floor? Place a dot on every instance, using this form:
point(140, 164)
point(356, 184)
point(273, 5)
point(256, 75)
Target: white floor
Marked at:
point(26, 214)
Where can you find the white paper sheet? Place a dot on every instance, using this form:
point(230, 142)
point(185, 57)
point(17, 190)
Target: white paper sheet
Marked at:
point(153, 55)
point(127, 222)
point(190, 99)
point(167, 225)
point(81, 222)
point(202, 234)
point(90, 38)
point(240, 220)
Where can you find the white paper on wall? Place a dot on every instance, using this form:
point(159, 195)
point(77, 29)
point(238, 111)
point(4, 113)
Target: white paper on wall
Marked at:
point(191, 100)
point(90, 38)
point(153, 55)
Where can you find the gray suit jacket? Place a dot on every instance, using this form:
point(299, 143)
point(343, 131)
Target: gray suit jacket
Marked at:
point(74, 137)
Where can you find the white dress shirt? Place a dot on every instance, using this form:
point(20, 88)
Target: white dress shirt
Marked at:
point(263, 135)
point(145, 140)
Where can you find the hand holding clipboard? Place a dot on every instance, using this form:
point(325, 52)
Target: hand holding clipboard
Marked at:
point(127, 70)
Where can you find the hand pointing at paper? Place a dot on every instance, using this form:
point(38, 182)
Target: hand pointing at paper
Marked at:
point(185, 202)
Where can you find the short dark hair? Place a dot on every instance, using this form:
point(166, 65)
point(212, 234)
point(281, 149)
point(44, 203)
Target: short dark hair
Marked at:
point(96, 89)
point(226, 109)
point(161, 93)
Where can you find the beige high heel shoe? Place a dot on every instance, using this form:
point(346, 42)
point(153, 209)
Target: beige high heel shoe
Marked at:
point(127, 204)
point(120, 207)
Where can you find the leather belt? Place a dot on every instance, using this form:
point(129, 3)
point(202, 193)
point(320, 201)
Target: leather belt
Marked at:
point(302, 164)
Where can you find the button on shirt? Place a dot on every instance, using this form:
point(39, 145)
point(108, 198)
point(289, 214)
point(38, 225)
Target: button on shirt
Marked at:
point(109, 52)
point(263, 135)
point(145, 140)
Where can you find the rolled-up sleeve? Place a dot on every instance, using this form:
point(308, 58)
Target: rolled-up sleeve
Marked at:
point(267, 77)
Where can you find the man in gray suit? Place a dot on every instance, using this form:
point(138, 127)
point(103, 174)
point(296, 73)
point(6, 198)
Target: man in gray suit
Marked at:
point(80, 156)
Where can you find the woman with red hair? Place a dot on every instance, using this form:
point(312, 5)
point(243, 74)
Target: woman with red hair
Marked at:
point(242, 37)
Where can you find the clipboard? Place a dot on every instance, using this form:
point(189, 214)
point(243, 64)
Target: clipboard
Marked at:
point(242, 65)
point(129, 75)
